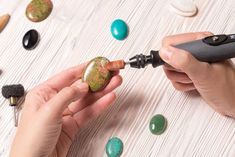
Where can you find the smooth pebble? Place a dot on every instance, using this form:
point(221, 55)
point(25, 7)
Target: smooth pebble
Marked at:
point(158, 124)
point(31, 39)
point(114, 147)
point(4, 19)
point(119, 29)
point(39, 10)
point(183, 7)
point(96, 74)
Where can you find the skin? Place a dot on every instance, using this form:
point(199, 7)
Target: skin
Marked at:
point(214, 82)
point(54, 112)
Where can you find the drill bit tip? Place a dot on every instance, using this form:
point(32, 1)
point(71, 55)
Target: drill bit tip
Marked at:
point(127, 62)
point(115, 65)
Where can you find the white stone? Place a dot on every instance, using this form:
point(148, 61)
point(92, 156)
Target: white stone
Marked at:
point(183, 7)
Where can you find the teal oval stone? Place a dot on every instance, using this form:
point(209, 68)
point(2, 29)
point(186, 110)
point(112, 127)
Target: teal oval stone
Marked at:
point(158, 124)
point(119, 29)
point(114, 147)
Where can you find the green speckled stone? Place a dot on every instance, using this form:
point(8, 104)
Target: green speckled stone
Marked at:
point(158, 124)
point(96, 75)
point(114, 147)
point(119, 29)
point(39, 10)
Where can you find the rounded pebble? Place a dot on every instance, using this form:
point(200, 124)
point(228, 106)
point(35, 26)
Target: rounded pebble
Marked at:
point(39, 10)
point(183, 7)
point(114, 147)
point(31, 39)
point(119, 29)
point(158, 124)
point(96, 74)
point(4, 19)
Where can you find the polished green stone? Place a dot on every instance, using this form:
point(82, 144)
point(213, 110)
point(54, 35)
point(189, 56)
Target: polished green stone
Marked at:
point(158, 124)
point(39, 10)
point(96, 75)
point(114, 147)
point(119, 29)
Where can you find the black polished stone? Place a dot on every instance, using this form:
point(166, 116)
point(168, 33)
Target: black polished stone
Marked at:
point(31, 39)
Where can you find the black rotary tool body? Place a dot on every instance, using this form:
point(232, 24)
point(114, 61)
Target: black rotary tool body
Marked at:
point(210, 49)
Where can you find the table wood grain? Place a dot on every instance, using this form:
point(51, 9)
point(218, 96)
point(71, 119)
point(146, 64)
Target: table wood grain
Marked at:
point(79, 30)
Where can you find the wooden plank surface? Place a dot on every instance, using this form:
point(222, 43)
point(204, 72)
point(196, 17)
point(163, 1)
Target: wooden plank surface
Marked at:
point(79, 30)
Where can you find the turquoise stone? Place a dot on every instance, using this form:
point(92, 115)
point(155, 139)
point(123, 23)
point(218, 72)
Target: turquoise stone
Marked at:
point(158, 124)
point(114, 147)
point(119, 29)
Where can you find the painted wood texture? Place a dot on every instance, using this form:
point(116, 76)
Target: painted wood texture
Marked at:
point(79, 30)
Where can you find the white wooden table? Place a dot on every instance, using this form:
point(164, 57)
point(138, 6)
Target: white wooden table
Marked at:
point(79, 30)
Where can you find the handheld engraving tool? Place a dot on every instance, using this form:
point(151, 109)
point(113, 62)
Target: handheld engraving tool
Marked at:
point(210, 49)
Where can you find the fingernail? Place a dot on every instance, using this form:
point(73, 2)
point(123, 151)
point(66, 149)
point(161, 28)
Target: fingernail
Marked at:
point(207, 33)
point(83, 87)
point(166, 54)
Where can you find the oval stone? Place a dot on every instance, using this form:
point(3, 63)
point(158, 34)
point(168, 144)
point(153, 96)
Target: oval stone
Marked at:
point(39, 10)
point(30, 39)
point(114, 147)
point(158, 124)
point(183, 7)
point(119, 29)
point(96, 74)
point(4, 19)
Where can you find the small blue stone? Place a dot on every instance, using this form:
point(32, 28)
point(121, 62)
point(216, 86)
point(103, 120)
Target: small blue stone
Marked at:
point(114, 147)
point(119, 29)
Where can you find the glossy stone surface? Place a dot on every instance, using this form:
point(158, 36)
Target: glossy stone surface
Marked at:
point(158, 124)
point(30, 39)
point(119, 29)
point(114, 147)
point(96, 74)
point(185, 8)
point(39, 10)
point(4, 19)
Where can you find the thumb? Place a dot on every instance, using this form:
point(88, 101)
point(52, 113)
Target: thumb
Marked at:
point(184, 61)
point(66, 96)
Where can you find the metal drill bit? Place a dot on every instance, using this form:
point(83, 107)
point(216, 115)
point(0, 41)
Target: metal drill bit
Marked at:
point(16, 115)
point(127, 62)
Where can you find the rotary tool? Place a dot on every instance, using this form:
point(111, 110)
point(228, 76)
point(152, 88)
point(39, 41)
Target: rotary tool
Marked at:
point(209, 49)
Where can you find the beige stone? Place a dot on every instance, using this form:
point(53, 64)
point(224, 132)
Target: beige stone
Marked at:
point(3, 21)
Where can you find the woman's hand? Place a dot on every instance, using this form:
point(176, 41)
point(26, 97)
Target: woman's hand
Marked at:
point(54, 112)
point(215, 82)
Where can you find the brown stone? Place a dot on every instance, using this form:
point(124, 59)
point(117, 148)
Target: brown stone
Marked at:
point(39, 10)
point(4, 19)
point(96, 74)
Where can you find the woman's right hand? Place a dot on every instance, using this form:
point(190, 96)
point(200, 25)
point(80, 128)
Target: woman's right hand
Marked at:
point(215, 82)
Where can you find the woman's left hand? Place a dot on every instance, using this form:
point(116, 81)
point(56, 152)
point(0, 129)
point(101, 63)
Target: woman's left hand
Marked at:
point(55, 110)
